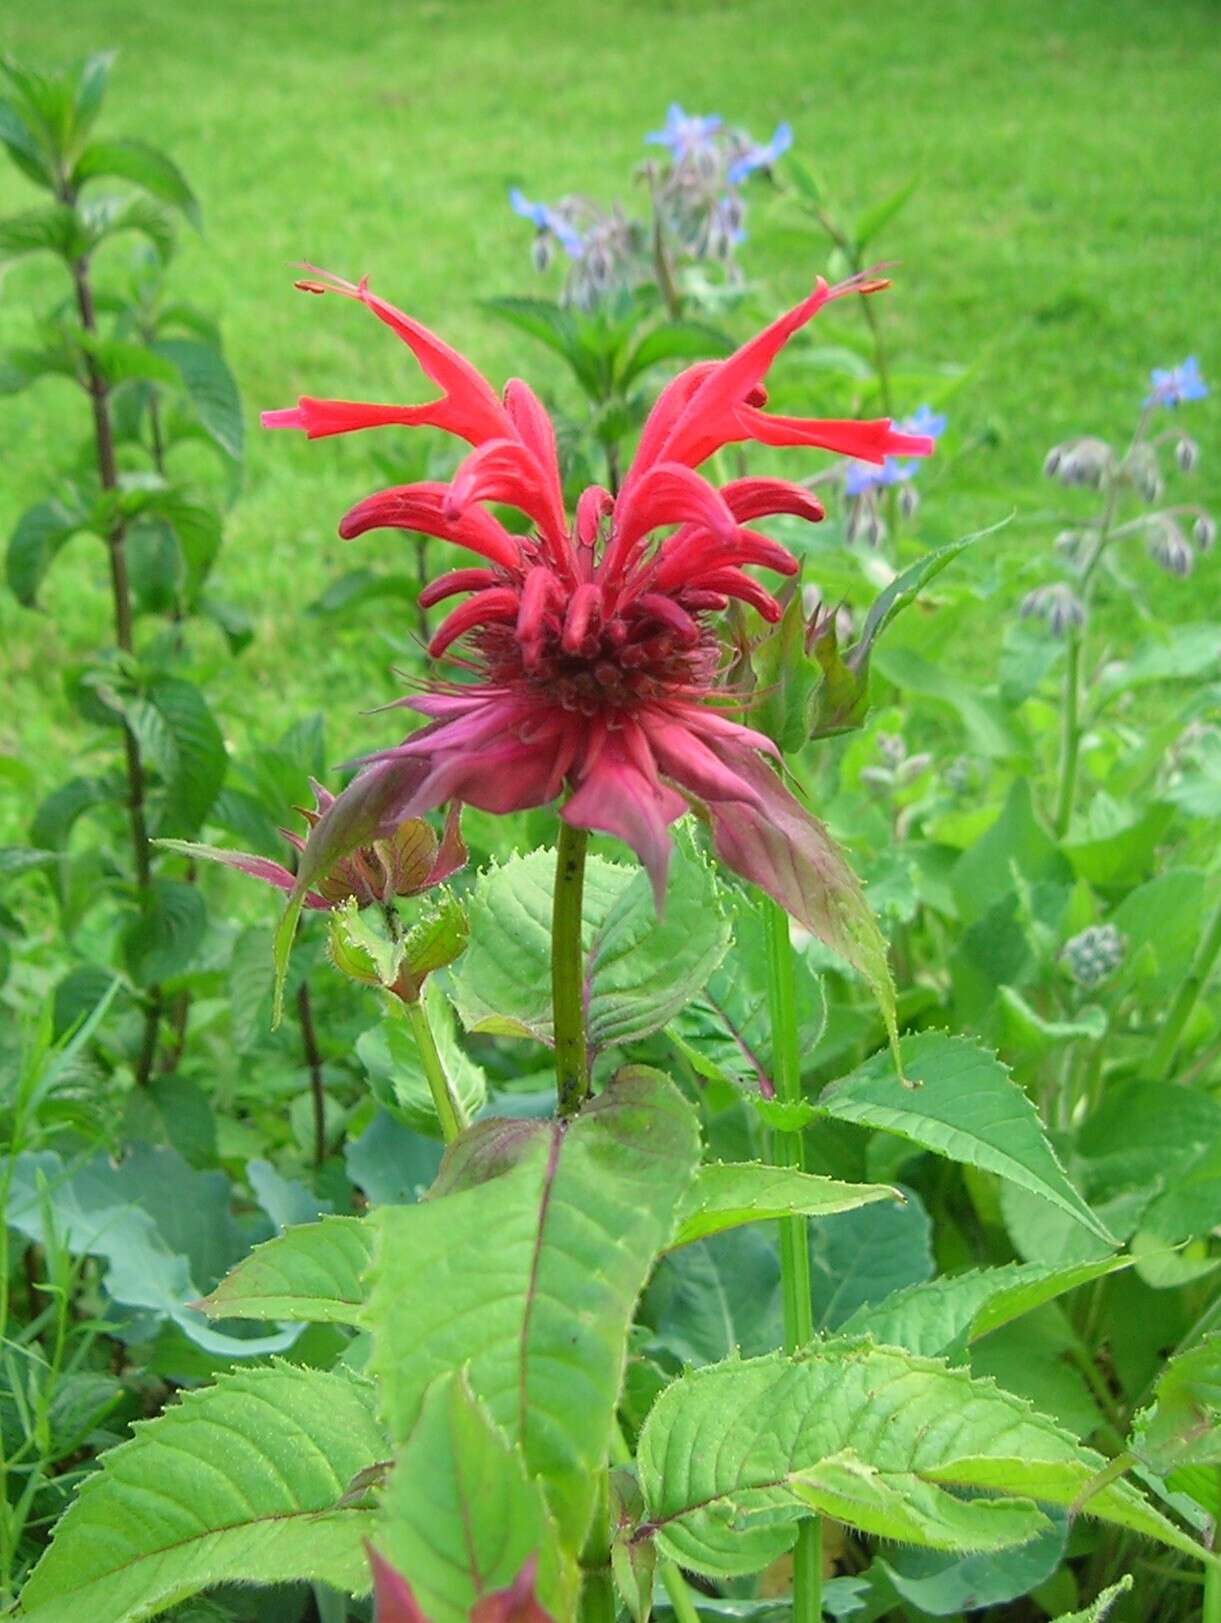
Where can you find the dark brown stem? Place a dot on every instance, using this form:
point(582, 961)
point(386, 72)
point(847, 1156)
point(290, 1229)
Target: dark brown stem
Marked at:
point(313, 1058)
point(120, 594)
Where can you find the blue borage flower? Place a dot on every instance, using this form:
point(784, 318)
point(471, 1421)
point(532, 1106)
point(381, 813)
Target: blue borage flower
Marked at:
point(860, 477)
point(1174, 385)
point(687, 135)
point(761, 157)
point(547, 219)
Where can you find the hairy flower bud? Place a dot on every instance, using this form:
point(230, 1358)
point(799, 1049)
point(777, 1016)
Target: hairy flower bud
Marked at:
point(1204, 532)
point(909, 500)
point(1094, 954)
point(1169, 547)
point(1187, 453)
point(1068, 543)
point(1087, 461)
point(1144, 472)
point(1058, 605)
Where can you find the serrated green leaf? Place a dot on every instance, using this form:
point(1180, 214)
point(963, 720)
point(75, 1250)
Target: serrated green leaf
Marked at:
point(33, 546)
point(578, 1218)
point(945, 1585)
point(238, 1482)
point(675, 341)
point(144, 166)
point(966, 1107)
point(1182, 1426)
point(167, 933)
point(943, 1316)
point(310, 1274)
point(1100, 1606)
point(725, 1195)
point(211, 389)
point(731, 1454)
point(460, 1517)
point(196, 770)
point(639, 970)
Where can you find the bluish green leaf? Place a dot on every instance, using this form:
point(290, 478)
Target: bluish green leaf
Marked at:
point(144, 166)
point(211, 389)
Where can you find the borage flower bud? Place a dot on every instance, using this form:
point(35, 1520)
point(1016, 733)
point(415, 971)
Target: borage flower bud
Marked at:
point(1187, 453)
point(1204, 532)
point(1094, 954)
point(1087, 461)
point(1058, 605)
point(1170, 548)
point(1141, 467)
point(593, 641)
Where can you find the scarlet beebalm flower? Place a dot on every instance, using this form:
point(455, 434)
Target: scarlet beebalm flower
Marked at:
point(593, 642)
point(394, 1600)
point(406, 860)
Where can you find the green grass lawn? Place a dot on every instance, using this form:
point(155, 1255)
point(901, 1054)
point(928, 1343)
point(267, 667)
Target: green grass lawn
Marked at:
point(1064, 240)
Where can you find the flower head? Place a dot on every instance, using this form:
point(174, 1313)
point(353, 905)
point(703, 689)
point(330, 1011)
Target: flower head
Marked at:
point(548, 221)
point(686, 135)
point(1172, 386)
point(761, 157)
point(590, 644)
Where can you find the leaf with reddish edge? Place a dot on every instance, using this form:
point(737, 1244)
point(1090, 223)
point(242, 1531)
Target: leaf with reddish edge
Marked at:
point(272, 873)
point(788, 853)
point(368, 806)
point(393, 1600)
point(540, 1326)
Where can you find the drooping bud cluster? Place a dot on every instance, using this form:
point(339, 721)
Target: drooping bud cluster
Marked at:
point(1057, 605)
point(1093, 955)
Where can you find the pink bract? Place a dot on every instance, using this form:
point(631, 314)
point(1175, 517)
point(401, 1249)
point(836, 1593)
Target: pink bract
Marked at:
point(591, 642)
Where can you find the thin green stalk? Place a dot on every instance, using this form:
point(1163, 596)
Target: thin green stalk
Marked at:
point(1212, 1575)
point(567, 979)
point(685, 1610)
point(1161, 1060)
point(788, 1150)
point(598, 1589)
point(1070, 732)
point(313, 1061)
point(449, 1111)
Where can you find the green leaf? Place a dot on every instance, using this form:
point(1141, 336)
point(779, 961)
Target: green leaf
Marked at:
point(577, 1219)
point(391, 1056)
point(310, 1274)
point(1016, 847)
point(558, 328)
point(1182, 1426)
point(877, 218)
point(726, 1195)
point(55, 817)
point(947, 1585)
point(1100, 1606)
point(106, 217)
point(124, 360)
point(863, 1256)
point(195, 767)
point(639, 970)
point(238, 1482)
point(943, 1316)
point(167, 933)
point(1186, 651)
point(460, 1517)
point(35, 543)
point(53, 228)
point(211, 389)
point(359, 586)
point(717, 1297)
point(24, 147)
point(675, 341)
point(990, 730)
point(964, 1106)
point(144, 166)
point(725, 1032)
point(732, 1454)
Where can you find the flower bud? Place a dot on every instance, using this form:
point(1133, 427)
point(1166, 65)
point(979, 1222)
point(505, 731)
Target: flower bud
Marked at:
point(1169, 547)
point(909, 500)
point(540, 251)
point(1068, 543)
point(891, 748)
point(1058, 605)
point(912, 767)
point(1204, 532)
point(1187, 453)
point(1087, 461)
point(1094, 955)
point(1051, 462)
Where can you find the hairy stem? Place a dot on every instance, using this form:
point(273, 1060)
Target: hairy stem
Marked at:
point(120, 596)
point(567, 980)
point(313, 1060)
point(1161, 1060)
point(788, 1150)
point(449, 1112)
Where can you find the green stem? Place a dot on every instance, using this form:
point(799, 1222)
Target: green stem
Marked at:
point(788, 1150)
point(567, 980)
point(313, 1061)
point(680, 1596)
point(1212, 1572)
point(1161, 1060)
point(1070, 733)
point(449, 1111)
point(598, 1589)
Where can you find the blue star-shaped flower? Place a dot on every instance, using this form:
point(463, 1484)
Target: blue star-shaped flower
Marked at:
point(546, 219)
point(1173, 385)
point(761, 157)
point(685, 134)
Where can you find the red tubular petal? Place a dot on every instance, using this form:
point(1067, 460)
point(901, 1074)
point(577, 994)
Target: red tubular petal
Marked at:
point(695, 558)
point(592, 507)
point(870, 441)
point(665, 609)
point(319, 418)
point(667, 493)
point(733, 583)
point(537, 595)
point(498, 603)
point(469, 407)
point(584, 605)
point(508, 471)
point(686, 758)
point(758, 498)
point(537, 434)
point(422, 507)
point(458, 580)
